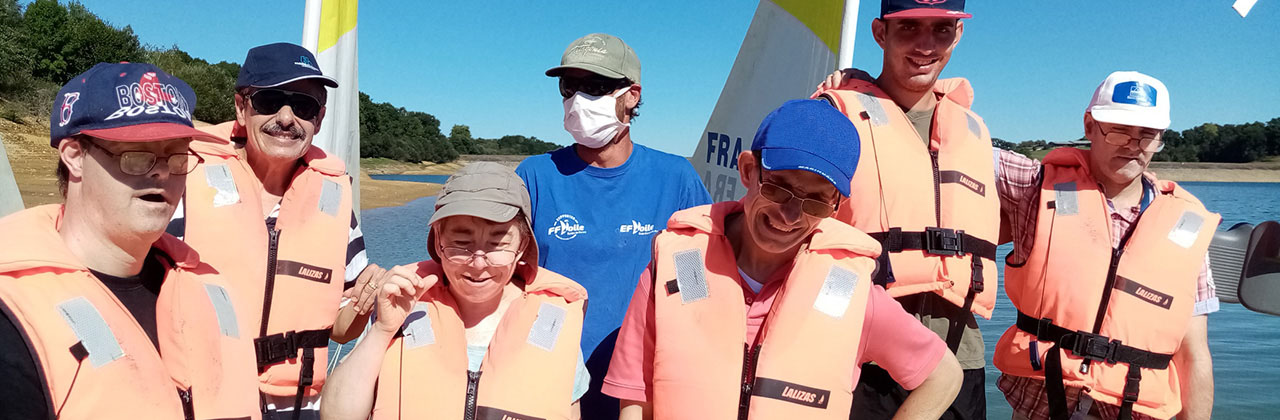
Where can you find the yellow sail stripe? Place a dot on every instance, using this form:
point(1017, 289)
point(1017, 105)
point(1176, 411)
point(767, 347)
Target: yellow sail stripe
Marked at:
point(337, 17)
point(822, 17)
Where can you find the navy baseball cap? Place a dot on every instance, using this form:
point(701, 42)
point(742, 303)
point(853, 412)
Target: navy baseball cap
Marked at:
point(899, 9)
point(810, 135)
point(127, 102)
point(276, 64)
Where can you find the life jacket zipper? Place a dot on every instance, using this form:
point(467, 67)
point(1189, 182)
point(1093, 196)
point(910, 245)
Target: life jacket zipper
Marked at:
point(749, 358)
point(188, 409)
point(273, 243)
point(473, 385)
point(937, 188)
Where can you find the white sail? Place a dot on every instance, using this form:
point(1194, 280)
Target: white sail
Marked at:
point(789, 47)
point(329, 31)
point(10, 199)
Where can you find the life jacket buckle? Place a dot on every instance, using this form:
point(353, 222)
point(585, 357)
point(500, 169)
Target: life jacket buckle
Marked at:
point(275, 348)
point(942, 241)
point(1094, 347)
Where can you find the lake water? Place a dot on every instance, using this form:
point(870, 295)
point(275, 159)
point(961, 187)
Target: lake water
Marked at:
point(1245, 344)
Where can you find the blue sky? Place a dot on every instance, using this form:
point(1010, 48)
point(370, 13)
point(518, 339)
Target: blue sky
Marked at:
point(1033, 64)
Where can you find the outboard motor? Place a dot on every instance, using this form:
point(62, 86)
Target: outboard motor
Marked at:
point(1226, 260)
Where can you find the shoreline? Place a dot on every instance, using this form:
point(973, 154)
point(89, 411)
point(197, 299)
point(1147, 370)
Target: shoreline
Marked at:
point(33, 163)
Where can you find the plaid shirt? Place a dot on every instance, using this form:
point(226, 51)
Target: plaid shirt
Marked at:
point(1018, 185)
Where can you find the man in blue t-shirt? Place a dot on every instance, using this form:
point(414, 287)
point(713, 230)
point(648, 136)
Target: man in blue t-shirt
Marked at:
point(598, 203)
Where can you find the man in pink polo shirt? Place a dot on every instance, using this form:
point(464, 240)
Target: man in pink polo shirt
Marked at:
point(671, 361)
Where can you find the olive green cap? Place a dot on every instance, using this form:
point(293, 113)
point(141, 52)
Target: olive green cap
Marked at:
point(602, 54)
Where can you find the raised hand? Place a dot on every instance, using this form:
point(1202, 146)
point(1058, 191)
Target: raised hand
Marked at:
point(400, 288)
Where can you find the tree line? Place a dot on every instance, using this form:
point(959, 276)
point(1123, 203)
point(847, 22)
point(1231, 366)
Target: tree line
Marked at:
point(1210, 142)
point(45, 44)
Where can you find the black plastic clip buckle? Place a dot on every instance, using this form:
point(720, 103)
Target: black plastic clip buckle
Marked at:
point(942, 241)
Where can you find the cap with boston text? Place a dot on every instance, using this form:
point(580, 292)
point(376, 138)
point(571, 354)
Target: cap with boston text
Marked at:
point(125, 102)
point(276, 64)
point(809, 135)
point(902, 9)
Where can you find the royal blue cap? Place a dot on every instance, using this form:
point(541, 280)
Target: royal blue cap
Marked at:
point(276, 64)
point(899, 9)
point(127, 102)
point(810, 135)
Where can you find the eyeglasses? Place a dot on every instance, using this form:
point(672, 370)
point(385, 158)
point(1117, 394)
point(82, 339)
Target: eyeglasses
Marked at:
point(594, 85)
point(1149, 143)
point(779, 195)
point(138, 162)
point(495, 258)
point(269, 102)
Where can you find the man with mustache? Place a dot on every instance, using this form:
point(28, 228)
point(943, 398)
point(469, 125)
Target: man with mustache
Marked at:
point(1109, 272)
point(102, 314)
point(274, 212)
point(923, 189)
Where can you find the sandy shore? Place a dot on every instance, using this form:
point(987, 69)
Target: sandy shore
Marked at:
point(1217, 172)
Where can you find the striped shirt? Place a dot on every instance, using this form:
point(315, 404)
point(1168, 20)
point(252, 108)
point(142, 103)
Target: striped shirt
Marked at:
point(357, 259)
point(1018, 185)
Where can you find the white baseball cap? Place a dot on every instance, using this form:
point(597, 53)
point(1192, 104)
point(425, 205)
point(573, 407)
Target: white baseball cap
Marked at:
point(1131, 98)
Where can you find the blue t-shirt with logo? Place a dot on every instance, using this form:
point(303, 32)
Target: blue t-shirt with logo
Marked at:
point(596, 225)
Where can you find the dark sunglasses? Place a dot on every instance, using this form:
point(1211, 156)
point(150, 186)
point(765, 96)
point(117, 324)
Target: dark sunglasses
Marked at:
point(269, 102)
point(594, 85)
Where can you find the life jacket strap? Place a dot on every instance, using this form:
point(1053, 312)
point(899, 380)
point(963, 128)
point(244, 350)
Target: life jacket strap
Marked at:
point(1091, 347)
point(935, 241)
point(284, 346)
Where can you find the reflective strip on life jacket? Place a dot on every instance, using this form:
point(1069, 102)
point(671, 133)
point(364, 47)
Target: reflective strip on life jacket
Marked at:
point(288, 277)
point(933, 208)
point(528, 372)
point(801, 364)
point(1108, 317)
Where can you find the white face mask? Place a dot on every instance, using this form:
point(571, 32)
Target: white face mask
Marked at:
point(592, 120)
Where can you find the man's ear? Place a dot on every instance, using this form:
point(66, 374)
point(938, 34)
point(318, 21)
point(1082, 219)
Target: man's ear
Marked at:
point(959, 33)
point(747, 170)
point(242, 110)
point(72, 153)
point(319, 118)
point(632, 97)
point(879, 29)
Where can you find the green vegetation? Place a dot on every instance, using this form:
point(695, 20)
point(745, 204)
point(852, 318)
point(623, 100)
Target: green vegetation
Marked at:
point(48, 43)
point(1232, 143)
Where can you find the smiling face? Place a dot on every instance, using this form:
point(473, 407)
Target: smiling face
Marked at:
point(126, 206)
point(477, 281)
point(281, 136)
point(778, 228)
point(915, 49)
point(1113, 164)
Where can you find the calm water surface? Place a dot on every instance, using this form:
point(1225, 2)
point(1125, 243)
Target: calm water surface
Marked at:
point(1245, 345)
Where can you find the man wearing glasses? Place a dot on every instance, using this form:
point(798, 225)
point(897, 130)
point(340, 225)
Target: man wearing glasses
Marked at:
point(274, 212)
point(102, 314)
point(598, 203)
point(1109, 272)
point(765, 308)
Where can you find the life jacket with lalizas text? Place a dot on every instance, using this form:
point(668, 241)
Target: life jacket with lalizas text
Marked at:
point(933, 208)
point(1102, 318)
point(287, 278)
point(528, 372)
point(94, 359)
point(802, 362)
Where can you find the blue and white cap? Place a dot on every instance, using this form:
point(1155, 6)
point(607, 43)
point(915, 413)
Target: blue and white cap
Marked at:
point(1131, 98)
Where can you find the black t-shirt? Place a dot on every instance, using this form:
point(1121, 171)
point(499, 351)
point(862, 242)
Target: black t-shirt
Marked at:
point(24, 395)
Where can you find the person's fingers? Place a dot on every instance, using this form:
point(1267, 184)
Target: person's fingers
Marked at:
point(369, 291)
point(410, 273)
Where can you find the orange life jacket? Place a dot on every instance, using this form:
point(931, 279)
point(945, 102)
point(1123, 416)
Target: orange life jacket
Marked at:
point(1120, 311)
point(528, 372)
point(288, 280)
point(802, 362)
point(932, 208)
point(94, 359)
